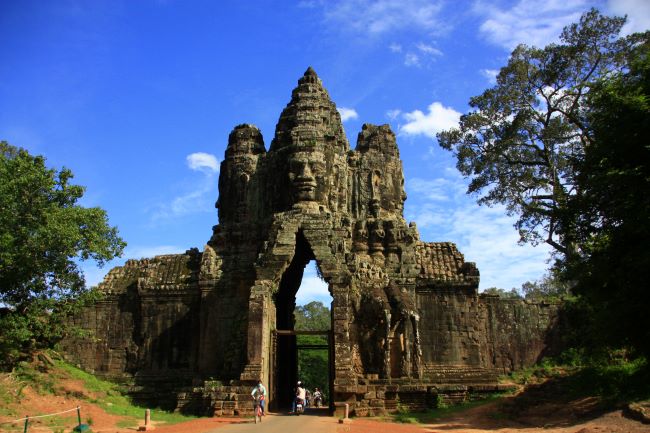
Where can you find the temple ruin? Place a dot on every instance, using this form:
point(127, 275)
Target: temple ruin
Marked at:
point(193, 331)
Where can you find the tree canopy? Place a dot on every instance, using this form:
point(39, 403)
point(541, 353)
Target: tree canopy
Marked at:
point(519, 144)
point(610, 218)
point(562, 141)
point(313, 316)
point(313, 368)
point(44, 232)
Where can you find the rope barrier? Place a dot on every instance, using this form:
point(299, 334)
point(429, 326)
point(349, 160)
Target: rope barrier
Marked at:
point(40, 416)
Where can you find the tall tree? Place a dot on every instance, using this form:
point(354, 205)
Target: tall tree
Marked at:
point(313, 316)
point(519, 144)
point(43, 234)
point(611, 216)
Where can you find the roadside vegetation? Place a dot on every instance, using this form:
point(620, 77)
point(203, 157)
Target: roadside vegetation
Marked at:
point(441, 411)
point(50, 376)
point(313, 368)
point(572, 382)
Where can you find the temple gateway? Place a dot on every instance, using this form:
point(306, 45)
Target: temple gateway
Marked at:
point(193, 331)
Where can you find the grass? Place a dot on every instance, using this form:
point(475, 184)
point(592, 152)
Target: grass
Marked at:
point(444, 411)
point(46, 380)
point(615, 382)
point(615, 379)
point(110, 398)
point(35, 376)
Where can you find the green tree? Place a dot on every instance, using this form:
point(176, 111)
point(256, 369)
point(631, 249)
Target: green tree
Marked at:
point(313, 316)
point(502, 293)
point(550, 287)
point(519, 144)
point(43, 234)
point(313, 368)
point(611, 215)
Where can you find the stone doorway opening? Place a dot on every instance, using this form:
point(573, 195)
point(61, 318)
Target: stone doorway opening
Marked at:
point(298, 344)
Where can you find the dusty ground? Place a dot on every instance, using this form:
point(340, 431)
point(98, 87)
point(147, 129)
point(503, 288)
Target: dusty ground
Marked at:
point(580, 416)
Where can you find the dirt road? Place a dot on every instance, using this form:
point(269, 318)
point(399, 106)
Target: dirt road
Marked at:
point(281, 423)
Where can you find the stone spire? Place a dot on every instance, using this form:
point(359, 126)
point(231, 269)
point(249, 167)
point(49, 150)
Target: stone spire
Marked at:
point(310, 119)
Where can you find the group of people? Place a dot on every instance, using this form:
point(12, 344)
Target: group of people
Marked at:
point(302, 396)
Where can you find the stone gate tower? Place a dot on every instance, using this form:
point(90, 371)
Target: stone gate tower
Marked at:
point(407, 320)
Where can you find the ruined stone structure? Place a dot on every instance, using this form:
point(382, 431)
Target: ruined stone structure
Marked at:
point(194, 330)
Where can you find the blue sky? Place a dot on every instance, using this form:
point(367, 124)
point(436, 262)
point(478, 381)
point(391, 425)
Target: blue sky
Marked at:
point(138, 99)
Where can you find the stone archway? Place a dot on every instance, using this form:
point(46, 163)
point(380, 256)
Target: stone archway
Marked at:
point(297, 241)
point(284, 359)
point(407, 319)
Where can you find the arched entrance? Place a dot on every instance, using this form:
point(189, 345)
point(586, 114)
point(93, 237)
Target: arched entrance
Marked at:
point(286, 344)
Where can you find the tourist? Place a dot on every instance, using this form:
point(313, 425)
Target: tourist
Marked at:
point(259, 391)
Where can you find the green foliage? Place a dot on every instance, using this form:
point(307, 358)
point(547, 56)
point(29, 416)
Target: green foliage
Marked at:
point(611, 216)
point(544, 370)
point(612, 376)
point(502, 293)
point(562, 141)
point(27, 373)
point(519, 144)
point(45, 379)
point(112, 400)
point(313, 316)
point(615, 381)
point(403, 415)
point(43, 233)
point(313, 368)
point(551, 287)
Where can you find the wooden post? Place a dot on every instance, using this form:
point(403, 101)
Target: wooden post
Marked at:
point(346, 413)
point(147, 421)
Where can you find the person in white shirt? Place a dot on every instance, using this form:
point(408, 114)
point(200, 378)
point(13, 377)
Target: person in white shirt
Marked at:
point(300, 396)
point(260, 391)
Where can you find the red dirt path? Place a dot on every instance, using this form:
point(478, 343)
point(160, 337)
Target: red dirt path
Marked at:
point(567, 418)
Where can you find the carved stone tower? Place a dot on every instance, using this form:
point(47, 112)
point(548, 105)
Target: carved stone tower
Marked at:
point(407, 319)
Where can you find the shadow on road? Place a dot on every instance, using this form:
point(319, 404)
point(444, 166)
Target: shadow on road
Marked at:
point(312, 411)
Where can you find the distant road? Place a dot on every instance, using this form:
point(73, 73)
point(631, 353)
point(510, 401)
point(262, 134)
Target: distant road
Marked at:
point(282, 423)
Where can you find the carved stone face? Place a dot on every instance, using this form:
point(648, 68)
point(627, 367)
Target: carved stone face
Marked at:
point(306, 171)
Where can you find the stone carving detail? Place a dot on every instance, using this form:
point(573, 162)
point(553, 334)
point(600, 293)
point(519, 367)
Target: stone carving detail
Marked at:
point(407, 319)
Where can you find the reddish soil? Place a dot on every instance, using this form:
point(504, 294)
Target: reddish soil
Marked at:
point(580, 416)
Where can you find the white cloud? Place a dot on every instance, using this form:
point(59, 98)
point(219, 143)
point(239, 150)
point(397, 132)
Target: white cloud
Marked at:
point(92, 273)
point(485, 235)
point(312, 288)
point(439, 189)
point(201, 196)
point(529, 21)
point(411, 59)
point(637, 11)
point(188, 203)
point(437, 119)
point(428, 49)
point(347, 113)
point(395, 48)
point(490, 74)
point(393, 114)
point(202, 161)
point(383, 16)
